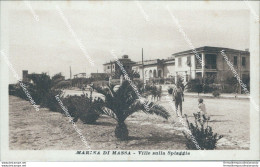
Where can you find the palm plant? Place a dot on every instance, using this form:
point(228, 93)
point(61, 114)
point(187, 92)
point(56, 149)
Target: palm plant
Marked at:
point(122, 103)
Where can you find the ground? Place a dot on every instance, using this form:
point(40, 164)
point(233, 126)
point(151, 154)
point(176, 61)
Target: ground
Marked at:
point(38, 130)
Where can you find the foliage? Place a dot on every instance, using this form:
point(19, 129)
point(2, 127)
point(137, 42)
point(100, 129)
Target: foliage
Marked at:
point(216, 93)
point(207, 83)
point(83, 107)
point(194, 85)
point(63, 85)
point(80, 82)
point(16, 90)
point(49, 100)
point(202, 133)
point(139, 85)
point(124, 102)
point(56, 79)
point(40, 87)
point(152, 90)
point(246, 80)
point(131, 74)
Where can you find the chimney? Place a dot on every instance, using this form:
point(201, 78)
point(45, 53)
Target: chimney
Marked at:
point(25, 75)
point(247, 49)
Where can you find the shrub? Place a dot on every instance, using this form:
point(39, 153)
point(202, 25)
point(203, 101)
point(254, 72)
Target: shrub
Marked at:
point(40, 90)
point(83, 107)
point(195, 85)
point(40, 87)
point(216, 93)
point(202, 133)
point(170, 90)
point(230, 85)
point(17, 90)
point(49, 100)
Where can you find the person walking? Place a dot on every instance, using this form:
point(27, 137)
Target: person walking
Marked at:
point(178, 97)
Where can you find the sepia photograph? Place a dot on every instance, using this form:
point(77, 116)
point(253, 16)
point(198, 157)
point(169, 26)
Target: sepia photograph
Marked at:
point(129, 80)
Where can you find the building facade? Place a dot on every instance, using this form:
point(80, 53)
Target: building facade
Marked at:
point(80, 75)
point(113, 68)
point(189, 66)
point(155, 69)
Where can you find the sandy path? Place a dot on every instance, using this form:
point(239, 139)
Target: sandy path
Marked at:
point(30, 129)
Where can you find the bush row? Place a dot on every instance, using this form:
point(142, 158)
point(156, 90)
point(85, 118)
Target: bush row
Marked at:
point(43, 91)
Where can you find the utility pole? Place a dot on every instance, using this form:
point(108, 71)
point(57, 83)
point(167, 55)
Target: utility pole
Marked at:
point(190, 71)
point(70, 73)
point(240, 64)
point(111, 66)
point(143, 64)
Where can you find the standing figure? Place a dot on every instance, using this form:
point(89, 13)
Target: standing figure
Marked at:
point(178, 97)
point(202, 107)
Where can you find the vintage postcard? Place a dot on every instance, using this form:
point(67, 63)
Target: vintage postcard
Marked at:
point(129, 80)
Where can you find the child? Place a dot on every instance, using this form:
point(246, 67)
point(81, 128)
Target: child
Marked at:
point(202, 107)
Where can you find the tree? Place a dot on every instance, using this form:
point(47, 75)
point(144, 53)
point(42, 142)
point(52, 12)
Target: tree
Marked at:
point(124, 102)
point(56, 79)
point(40, 87)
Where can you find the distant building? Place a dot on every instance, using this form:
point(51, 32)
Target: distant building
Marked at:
point(28, 77)
point(215, 65)
point(113, 68)
point(80, 75)
point(153, 69)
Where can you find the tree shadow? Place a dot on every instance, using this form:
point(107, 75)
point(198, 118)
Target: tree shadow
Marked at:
point(105, 124)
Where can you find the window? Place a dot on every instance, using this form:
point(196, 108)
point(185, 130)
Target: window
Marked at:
point(198, 59)
point(179, 62)
point(189, 61)
point(235, 60)
point(113, 66)
point(243, 61)
point(108, 67)
point(211, 61)
point(160, 73)
point(150, 74)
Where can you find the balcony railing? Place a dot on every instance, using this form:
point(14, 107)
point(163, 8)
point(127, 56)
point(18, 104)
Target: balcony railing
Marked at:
point(207, 66)
point(211, 66)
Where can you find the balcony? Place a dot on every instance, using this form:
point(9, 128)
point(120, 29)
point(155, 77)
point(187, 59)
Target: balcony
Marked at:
point(211, 66)
point(210, 62)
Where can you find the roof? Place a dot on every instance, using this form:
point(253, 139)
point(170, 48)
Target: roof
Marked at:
point(156, 61)
point(123, 61)
point(210, 49)
point(148, 62)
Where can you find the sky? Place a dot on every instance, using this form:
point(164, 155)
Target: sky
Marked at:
point(48, 46)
